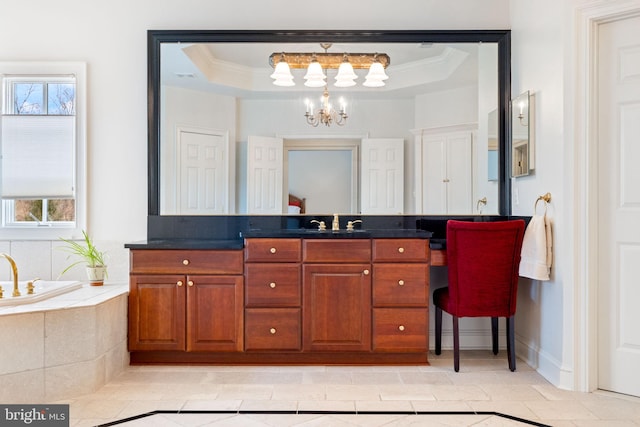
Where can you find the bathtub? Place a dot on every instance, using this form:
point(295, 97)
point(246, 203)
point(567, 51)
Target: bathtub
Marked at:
point(43, 289)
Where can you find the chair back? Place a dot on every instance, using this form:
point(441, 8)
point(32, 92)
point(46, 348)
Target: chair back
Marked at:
point(483, 260)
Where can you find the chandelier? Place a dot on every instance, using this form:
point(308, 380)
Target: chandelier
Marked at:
point(315, 63)
point(326, 114)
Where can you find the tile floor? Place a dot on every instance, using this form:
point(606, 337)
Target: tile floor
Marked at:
point(186, 396)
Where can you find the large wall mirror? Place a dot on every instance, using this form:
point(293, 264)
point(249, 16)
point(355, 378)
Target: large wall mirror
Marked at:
point(225, 140)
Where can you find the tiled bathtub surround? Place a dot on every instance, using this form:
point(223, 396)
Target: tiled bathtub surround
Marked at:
point(66, 346)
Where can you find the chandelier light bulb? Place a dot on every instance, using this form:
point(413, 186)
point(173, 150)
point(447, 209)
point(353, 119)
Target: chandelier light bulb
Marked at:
point(314, 77)
point(376, 75)
point(346, 76)
point(282, 74)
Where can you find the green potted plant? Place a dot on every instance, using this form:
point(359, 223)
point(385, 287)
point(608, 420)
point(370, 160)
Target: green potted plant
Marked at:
point(90, 256)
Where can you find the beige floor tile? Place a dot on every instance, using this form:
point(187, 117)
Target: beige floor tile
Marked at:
point(389, 405)
point(376, 378)
point(458, 392)
point(406, 392)
point(352, 392)
point(298, 392)
point(326, 405)
point(484, 383)
point(510, 392)
point(560, 410)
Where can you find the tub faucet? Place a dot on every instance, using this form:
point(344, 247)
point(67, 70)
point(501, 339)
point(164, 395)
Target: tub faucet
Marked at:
point(14, 268)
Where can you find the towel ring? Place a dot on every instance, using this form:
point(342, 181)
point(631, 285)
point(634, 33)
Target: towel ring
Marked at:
point(546, 198)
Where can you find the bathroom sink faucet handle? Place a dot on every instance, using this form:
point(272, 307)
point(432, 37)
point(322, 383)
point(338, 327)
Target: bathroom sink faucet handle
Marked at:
point(335, 225)
point(351, 223)
point(321, 225)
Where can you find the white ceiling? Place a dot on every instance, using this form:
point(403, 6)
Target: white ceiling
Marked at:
point(242, 69)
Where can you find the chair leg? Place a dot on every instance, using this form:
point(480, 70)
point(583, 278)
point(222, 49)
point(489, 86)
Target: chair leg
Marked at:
point(511, 343)
point(456, 345)
point(438, 318)
point(494, 334)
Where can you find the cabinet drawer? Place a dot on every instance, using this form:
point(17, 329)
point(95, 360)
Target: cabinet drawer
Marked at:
point(338, 251)
point(400, 329)
point(272, 250)
point(272, 285)
point(403, 250)
point(272, 329)
point(167, 261)
point(400, 285)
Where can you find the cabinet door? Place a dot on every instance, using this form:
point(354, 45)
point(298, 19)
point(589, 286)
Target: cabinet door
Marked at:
point(157, 312)
point(337, 307)
point(214, 313)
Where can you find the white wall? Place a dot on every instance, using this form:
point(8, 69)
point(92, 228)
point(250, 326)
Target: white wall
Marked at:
point(110, 36)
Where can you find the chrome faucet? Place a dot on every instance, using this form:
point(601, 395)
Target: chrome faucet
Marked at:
point(14, 268)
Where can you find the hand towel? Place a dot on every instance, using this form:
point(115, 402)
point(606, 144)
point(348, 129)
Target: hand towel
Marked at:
point(536, 254)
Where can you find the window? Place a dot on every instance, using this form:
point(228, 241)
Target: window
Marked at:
point(42, 143)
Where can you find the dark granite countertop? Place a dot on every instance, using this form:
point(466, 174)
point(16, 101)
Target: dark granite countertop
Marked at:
point(342, 234)
point(275, 234)
point(187, 244)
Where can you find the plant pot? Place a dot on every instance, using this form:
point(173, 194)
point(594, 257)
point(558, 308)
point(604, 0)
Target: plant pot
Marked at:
point(96, 275)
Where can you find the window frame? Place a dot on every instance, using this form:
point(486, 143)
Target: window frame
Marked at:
point(34, 230)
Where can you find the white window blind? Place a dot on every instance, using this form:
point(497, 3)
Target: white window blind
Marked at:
point(38, 157)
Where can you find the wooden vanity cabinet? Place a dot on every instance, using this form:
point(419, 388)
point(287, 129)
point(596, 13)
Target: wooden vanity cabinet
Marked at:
point(336, 295)
point(282, 301)
point(186, 300)
point(272, 295)
point(400, 295)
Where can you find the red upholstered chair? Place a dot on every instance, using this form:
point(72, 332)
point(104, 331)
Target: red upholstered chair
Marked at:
point(483, 260)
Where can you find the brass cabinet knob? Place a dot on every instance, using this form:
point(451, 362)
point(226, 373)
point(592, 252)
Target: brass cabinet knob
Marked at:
point(401, 250)
point(179, 283)
point(366, 272)
point(272, 331)
point(401, 328)
point(272, 250)
point(400, 282)
point(190, 283)
point(185, 262)
point(272, 285)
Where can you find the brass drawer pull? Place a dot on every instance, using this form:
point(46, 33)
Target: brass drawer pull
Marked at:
point(190, 283)
point(400, 282)
point(272, 250)
point(185, 262)
point(366, 272)
point(272, 285)
point(179, 283)
point(272, 331)
point(401, 328)
point(401, 250)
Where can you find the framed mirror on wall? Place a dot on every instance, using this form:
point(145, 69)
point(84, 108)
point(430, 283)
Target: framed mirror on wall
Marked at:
point(521, 135)
point(214, 90)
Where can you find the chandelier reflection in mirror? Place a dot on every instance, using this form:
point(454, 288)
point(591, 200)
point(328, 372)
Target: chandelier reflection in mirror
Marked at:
point(326, 114)
point(315, 63)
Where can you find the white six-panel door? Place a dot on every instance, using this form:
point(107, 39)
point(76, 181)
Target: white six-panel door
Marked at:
point(619, 206)
point(203, 175)
point(264, 175)
point(382, 176)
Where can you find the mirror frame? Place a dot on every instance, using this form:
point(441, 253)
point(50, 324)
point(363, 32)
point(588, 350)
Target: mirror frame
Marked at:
point(155, 38)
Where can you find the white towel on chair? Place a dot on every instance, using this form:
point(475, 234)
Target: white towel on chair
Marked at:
point(536, 254)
